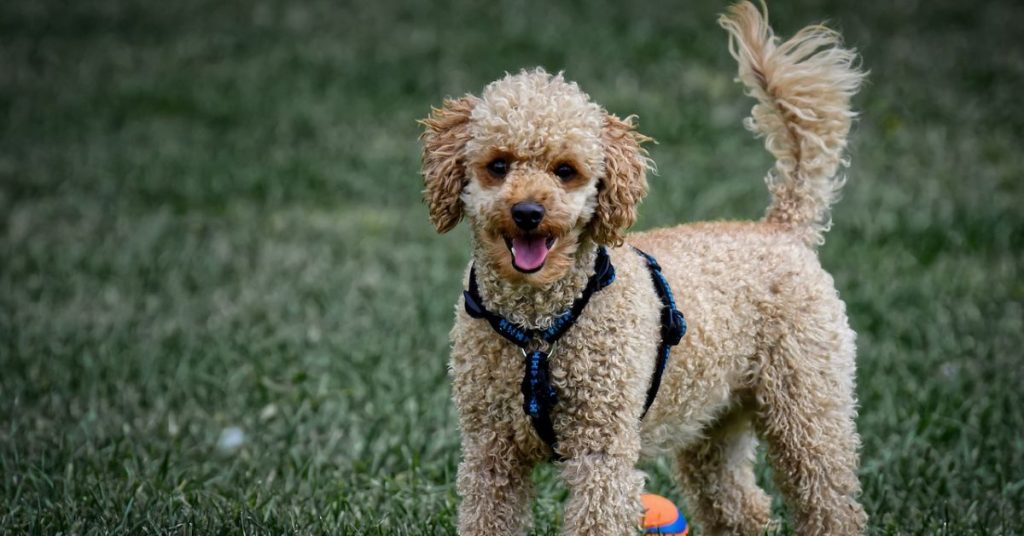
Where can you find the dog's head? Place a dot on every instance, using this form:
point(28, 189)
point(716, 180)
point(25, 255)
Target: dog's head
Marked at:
point(537, 168)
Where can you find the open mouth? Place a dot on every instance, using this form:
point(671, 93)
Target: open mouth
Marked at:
point(529, 252)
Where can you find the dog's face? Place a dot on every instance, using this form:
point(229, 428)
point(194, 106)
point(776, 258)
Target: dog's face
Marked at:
point(536, 168)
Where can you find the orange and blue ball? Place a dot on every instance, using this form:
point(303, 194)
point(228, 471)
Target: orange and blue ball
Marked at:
point(662, 517)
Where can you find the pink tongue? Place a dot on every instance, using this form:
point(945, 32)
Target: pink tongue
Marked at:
point(529, 252)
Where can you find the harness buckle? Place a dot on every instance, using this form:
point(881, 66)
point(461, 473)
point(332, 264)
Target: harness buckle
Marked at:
point(674, 326)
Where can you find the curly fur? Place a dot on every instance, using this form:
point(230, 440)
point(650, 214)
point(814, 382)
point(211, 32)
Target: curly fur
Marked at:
point(803, 88)
point(769, 353)
point(625, 183)
point(443, 167)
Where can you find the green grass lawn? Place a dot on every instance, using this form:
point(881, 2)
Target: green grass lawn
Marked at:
point(210, 219)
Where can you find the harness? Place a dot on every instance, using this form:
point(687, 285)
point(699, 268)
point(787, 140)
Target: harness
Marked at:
point(539, 396)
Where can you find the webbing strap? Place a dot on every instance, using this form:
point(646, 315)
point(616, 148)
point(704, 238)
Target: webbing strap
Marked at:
point(604, 275)
point(673, 327)
point(539, 397)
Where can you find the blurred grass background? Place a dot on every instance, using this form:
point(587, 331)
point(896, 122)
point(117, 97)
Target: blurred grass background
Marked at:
point(223, 309)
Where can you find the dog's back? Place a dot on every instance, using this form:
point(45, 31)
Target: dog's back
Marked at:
point(770, 349)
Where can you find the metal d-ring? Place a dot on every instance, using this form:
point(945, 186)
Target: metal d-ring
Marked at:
point(541, 345)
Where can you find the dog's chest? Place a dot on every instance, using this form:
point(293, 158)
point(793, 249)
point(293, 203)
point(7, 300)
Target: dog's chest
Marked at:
point(601, 366)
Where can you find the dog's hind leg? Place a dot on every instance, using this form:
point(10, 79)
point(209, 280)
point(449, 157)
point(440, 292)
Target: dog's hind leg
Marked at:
point(717, 476)
point(806, 417)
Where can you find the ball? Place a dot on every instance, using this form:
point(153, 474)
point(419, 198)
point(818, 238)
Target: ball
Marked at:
point(662, 517)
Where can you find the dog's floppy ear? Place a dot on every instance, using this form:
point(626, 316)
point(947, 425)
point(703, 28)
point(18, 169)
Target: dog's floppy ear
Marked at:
point(444, 172)
point(624, 182)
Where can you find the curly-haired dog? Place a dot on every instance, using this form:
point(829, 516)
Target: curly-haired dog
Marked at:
point(548, 181)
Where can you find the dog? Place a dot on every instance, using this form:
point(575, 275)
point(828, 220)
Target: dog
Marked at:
point(549, 181)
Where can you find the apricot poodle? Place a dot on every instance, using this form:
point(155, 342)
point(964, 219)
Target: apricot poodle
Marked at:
point(549, 181)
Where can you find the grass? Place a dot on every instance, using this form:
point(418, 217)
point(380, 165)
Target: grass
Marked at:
point(211, 220)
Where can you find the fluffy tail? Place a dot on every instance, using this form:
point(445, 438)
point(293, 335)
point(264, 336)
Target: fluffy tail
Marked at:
point(803, 89)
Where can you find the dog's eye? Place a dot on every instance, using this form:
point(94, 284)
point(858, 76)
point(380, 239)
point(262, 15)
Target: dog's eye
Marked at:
point(565, 171)
point(498, 167)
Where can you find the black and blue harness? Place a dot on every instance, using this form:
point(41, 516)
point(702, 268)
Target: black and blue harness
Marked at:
point(539, 396)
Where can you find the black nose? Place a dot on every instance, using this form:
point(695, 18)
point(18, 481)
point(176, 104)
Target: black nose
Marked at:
point(527, 215)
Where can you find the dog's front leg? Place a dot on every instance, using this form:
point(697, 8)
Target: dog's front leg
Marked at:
point(494, 484)
point(604, 494)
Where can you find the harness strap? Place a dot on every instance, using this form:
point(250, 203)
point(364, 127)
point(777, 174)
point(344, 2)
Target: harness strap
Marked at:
point(673, 327)
point(475, 308)
point(604, 275)
point(539, 396)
